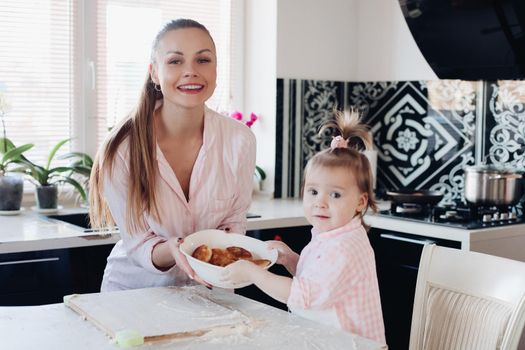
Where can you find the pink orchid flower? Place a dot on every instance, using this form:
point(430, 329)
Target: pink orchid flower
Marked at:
point(238, 115)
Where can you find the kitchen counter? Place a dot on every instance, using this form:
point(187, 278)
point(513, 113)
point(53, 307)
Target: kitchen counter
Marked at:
point(30, 231)
point(55, 326)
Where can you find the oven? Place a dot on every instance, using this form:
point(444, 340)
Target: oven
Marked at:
point(397, 261)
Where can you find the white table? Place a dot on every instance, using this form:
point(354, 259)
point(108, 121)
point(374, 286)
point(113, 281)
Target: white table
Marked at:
point(58, 327)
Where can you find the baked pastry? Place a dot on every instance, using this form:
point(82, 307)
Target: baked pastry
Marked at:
point(239, 253)
point(224, 257)
point(203, 253)
point(221, 257)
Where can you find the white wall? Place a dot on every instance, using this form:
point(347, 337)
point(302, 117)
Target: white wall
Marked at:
point(260, 77)
point(386, 49)
point(317, 39)
point(346, 40)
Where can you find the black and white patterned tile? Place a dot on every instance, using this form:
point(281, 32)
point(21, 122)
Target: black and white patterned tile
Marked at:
point(424, 135)
point(504, 127)
point(305, 104)
point(425, 132)
point(368, 96)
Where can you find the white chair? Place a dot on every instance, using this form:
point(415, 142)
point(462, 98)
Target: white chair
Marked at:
point(467, 301)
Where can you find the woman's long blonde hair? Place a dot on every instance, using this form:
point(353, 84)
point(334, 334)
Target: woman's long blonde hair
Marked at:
point(347, 124)
point(138, 128)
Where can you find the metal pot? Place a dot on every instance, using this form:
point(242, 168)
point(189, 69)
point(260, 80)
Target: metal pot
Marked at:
point(493, 185)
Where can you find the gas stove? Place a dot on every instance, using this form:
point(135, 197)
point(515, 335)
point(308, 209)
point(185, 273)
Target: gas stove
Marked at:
point(459, 216)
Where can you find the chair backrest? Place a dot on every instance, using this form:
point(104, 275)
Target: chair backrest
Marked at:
point(466, 300)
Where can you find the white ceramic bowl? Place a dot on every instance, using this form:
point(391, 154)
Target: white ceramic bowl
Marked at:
point(220, 239)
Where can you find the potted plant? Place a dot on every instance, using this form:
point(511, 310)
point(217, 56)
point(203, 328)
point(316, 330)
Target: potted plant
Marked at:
point(47, 179)
point(11, 183)
point(259, 176)
point(81, 165)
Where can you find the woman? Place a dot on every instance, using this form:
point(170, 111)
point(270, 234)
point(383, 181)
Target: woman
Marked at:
point(172, 167)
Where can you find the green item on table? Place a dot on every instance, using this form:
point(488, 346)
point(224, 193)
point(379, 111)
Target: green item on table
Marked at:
point(128, 338)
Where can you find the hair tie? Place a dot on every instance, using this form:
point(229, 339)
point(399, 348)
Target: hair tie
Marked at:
point(338, 142)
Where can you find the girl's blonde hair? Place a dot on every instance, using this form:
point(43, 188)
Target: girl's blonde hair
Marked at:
point(347, 125)
point(143, 170)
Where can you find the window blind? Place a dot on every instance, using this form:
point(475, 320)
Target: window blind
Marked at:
point(73, 68)
point(36, 75)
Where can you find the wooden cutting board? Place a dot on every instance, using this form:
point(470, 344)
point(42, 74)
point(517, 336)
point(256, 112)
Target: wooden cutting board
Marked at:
point(157, 313)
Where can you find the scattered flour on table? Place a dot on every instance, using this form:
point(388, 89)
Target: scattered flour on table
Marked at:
point(231, 336)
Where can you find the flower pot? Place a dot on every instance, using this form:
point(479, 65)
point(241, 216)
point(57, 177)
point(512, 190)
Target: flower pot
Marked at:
point(11, 191)
point(257, 185)
point(46, 197)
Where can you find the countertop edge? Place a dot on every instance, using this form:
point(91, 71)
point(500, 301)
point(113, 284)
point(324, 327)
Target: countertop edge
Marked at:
point(275, 213)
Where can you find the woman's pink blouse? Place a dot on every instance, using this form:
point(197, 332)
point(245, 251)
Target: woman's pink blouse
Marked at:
point(219, 196)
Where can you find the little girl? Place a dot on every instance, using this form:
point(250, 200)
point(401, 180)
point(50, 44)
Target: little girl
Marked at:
point(335, 279)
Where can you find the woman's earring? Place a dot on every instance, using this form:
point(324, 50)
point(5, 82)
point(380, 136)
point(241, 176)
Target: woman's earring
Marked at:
point(156, 87)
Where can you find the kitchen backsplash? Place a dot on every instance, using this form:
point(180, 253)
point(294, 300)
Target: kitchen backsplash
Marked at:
point(425, 132)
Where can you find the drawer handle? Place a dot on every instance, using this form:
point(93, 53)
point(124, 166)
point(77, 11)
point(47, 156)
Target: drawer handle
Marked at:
point(29, 261)
point(410, 267)
point(405, 239)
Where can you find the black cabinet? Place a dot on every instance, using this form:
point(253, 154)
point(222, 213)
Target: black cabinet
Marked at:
point(296, 238)
point(397, 262)
point(44, 277)
point(87, 266)
point(34, 278)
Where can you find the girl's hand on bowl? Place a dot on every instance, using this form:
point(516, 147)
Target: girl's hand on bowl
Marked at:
point(285, 252)
point(286, 256)
point(238, 272)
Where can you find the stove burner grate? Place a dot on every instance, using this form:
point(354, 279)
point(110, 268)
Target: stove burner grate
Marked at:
point(457, 215)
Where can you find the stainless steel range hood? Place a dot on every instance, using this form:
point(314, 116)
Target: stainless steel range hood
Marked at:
point(469, 39)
